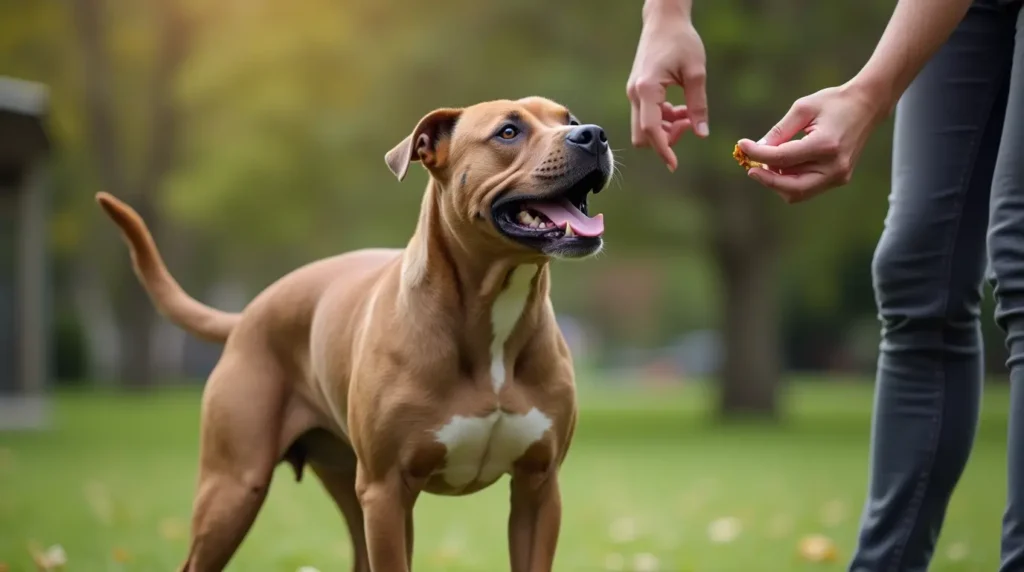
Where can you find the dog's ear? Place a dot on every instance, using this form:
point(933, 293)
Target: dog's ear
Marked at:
point(428, 142)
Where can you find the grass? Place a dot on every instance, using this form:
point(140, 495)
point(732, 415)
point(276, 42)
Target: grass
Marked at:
point(648, 473)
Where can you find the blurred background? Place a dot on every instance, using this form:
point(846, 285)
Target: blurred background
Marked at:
point(725, 342)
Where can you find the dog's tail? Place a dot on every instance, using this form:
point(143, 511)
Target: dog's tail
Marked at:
point(170, 300)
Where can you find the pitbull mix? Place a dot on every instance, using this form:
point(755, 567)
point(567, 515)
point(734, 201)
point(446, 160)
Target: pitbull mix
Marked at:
point(436, 368)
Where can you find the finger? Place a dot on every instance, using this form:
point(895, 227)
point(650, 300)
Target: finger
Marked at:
point(797, 118)
point(788, 154)
point(671, 112)
point(651, 98)
point(792, 188)
point(697, 101)
point(675, 129)
point(636, 134)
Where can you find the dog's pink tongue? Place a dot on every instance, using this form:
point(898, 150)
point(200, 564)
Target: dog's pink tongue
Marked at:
point(563, 211)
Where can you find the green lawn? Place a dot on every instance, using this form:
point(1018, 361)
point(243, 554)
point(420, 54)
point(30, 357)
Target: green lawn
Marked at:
point(648, 473)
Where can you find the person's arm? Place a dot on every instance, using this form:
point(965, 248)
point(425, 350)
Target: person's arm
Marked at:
point(915, 32)
point(670, 52)
point(666, 8)
point(839, 120)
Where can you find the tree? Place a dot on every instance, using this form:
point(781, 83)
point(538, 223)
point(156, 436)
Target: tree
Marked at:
point(135, 314)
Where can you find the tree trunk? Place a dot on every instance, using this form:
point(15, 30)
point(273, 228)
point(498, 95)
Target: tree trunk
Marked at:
point(135, 314)
point(751, 370)
point(137, 320)
point(745, 245)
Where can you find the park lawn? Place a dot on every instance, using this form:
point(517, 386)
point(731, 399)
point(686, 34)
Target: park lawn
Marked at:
point(649, 472)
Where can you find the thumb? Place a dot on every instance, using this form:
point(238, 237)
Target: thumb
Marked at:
point(697, 101)
point(797, 118)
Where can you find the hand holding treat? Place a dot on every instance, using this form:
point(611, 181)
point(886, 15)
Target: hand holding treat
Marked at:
point(837, 122)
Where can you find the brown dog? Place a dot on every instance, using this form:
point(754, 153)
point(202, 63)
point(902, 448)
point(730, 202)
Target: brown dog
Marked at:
point(435, 368)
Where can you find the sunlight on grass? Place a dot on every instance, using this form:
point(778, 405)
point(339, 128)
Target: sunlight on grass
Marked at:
point(650, 485)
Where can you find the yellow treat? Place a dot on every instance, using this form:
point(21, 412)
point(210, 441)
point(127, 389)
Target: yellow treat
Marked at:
point(743, 160)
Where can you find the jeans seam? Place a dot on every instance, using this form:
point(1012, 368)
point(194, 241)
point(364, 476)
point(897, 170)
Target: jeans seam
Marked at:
point(912, 519)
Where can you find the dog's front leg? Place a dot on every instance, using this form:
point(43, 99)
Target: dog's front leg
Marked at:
point(534, 521)
point(387, 513)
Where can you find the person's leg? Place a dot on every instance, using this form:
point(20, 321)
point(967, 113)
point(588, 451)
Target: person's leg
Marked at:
point(1006, 255)
point(928, 273)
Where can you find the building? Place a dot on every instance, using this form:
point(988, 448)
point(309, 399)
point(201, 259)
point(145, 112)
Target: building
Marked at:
point(24, 262)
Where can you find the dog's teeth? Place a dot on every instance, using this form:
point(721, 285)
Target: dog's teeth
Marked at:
point(568, 230)
point(524, 217)
point(536, 223)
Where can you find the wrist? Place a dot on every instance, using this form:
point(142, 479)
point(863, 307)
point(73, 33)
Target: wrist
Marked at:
point(657, 9)
point(877, 93)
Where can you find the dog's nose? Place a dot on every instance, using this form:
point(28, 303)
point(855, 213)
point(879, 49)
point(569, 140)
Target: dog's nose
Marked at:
point(590, 138)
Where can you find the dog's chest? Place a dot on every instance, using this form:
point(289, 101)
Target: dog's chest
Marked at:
point(505, 314)
point(481, 449)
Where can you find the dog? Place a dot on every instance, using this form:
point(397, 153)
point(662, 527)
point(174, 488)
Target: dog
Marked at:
point(435, 368)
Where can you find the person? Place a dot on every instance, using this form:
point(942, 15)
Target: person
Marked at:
point(953, 73)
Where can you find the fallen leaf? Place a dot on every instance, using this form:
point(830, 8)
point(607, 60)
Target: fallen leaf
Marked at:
point(56, 555)
point(53, 558)
point(818, 548)
point(724, 530)
point(4, 567)
point(121, 555)
point(645, 562)
point(623, 530)
point(451, 548)
point(307, 569)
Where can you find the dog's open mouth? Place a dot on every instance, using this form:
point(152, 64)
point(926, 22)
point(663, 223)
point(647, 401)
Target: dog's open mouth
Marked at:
point(553, 222)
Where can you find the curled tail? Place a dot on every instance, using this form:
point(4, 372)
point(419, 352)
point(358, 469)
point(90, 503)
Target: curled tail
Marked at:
point(170, 300)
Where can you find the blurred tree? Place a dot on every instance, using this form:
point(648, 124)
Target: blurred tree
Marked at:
point(749, 89)
point(333, 87)
point(260, 127)
point(153, 149)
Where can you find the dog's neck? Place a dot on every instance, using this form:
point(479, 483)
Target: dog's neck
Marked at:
point(477, 275)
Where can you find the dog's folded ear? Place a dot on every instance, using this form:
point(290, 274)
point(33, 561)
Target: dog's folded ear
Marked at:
point(428, 142)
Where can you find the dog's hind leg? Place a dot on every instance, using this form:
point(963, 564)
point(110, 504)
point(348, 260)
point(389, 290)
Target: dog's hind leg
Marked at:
point(340, 483)
point(241, 419)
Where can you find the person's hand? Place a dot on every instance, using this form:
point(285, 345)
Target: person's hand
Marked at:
point(669, 52)
point(838, 122)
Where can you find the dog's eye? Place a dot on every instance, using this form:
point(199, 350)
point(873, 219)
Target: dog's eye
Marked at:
point(508, 132)
point(573, 123)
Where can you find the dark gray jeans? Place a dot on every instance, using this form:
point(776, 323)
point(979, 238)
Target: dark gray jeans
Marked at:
point(957, 185)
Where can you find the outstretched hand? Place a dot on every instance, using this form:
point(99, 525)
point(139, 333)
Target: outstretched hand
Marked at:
point(838, 122)
point(670, 52)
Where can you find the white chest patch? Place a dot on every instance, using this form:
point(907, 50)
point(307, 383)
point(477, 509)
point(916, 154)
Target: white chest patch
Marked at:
point(481, 449)
point(505, 313)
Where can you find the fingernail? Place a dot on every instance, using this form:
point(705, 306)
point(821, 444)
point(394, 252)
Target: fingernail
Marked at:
point(702, 129)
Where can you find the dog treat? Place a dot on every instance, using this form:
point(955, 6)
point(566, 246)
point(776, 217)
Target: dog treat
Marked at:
point(743, 160)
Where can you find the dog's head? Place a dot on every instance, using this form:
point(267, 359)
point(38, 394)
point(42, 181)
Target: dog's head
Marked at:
point(515, 174)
